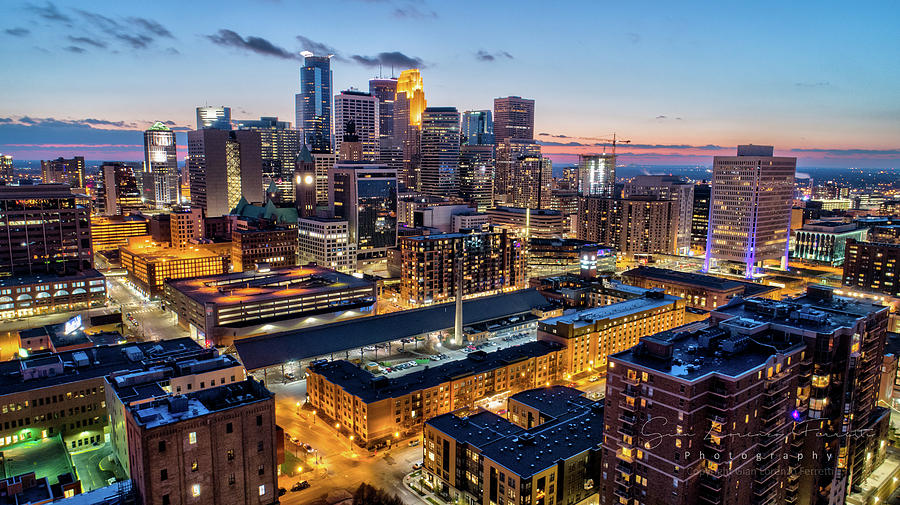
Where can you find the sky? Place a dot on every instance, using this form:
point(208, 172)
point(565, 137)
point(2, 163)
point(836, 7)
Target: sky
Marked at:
point(683, 81)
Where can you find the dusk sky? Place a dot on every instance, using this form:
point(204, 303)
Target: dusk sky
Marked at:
point(682, 80)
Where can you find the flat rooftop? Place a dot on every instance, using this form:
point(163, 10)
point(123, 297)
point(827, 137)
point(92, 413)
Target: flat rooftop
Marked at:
point(44, 277)
point(523, 211)
point(553, 401)
point(141, 383)
point(154, 253)
point(370, 388)
point(253, 286)
point(696, 279)
point(102, 361)
point(579, 428)
point(323, 340)
point(587, 317)
point(46, 457)
point(178, 408)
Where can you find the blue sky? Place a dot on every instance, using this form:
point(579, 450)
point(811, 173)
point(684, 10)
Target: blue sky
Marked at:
point(680, 76)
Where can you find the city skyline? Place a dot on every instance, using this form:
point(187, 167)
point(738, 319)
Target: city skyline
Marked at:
point(662, 77)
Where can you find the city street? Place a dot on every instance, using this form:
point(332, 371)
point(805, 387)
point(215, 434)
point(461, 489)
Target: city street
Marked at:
point(153, 323)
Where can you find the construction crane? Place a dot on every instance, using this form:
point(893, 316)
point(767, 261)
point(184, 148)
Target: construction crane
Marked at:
point(613, 141)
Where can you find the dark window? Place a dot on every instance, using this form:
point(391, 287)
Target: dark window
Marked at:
point(163, 474)
point(231, 479)
point(229, 428)
point(165, 499)
point(259, 420)
point(262, 469)
point(162, 446)
point(259, 447)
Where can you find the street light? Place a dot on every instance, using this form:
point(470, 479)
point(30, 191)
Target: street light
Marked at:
point(350, 446)
point(314, 416)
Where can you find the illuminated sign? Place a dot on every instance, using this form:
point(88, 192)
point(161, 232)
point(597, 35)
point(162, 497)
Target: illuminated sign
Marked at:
point(72, 325)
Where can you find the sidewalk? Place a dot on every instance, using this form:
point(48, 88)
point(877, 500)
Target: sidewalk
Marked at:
point(412, 481)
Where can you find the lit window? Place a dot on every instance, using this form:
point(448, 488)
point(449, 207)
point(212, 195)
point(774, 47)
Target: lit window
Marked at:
point(195, 490)
point(262, 490)
point(192, 437)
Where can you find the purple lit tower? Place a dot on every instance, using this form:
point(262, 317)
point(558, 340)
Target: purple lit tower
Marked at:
point(750, 209)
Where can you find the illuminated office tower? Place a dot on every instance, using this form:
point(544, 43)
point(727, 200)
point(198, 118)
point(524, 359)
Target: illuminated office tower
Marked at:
point(313, 103)
point(385, 90)
point(305, 184)
point(223, 166)
point(477, 127)
point(6, 168)
point(279, 148)
point(118, 192)
point(409, 103)
point(665, 187)
point(64, 171)
point(476, 174)
point(523, 178)
point(217, 118)
point(161, 165)
point(513, 118)
point(750, 208)
point(362, 109)
point(324, 162)
point(365, 195)
point(440, 151)
point(597, 174)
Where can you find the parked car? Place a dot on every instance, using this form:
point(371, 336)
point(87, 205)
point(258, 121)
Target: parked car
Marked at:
point(594, 378)
point(414, 442)
point(282, 491)
point(418, 465)
point(300, 486)
point(295, 440)
point(308, 448)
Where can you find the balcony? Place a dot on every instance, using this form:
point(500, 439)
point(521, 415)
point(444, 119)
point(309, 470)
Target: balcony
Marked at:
point(628, 418)
point(710, 481)
point(716, 417)
point(710, 497)
point(626, 430)
point(632, 381)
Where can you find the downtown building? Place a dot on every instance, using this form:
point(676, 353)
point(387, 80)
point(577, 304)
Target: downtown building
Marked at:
point(439, 144)
point(362, 109)
point(523, 177)
point(218, 118)
point(409, 104)
point(64, 171)
point(149, 264)
point(224, 166)
point(279, 147)
point(160, 182)
point(313, 103)
point(326, 242)
point(108, 233)
point(597, 175)
point(513, 119)
point(872, 267)
point(264, 247)
point(546, 452)
point(385, 91)
point(662, 187)
point(46, 259)
point(700, 217)
point(529, 223)
point(365, 195)
point(750, 209)
point(825, 242)
point(699, 291)
point(477, 158)
point(436, 268)
point(768, 402)
point(377, 409)
point(118, 192)
point(636, 225)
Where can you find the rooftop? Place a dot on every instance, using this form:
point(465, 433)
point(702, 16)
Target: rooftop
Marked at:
point(553, 401)
point(35, 191)
point(650, 300)
point(254, 286)
point(522, 210)
point(86, 364)
point(267, 350)
point(179, 408)
point(153, 252)
point(664, 274)
point(578, 428)
point(151, 379)
point(44, 277)
point(370, 388)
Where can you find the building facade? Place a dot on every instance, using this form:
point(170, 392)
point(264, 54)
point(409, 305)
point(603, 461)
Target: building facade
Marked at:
point(313, 103)
point(326, 242)
point(108, 233)
point(279, 148)
point(750, 208)
point(522, 178)
point(64, 171)
point(700, 218)
point(678, 190)
point(513, 119)
point(218, 118)
point(529, 223)
point(409, 104)
point(476, 174)
point(363, 110)
point(597, 175)
point(118, 191)
point(186, 226)
point(826, 241)
point(149, 266)
point(365, 195)
point(439, 144)
point(223, 167)
point(872, 266)
point(161, 163)
point(274, 247)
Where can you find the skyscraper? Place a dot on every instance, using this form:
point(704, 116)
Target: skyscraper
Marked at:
point(385, 90)
point(6, 168)
point(597, 174)
point(440, 151)
point(218, 118)
point(477, 127)
point(313, 103)
point(476, 174)
point(523, 178)
point(305, 184)
point(279, 146)
point(223, 166)
point(409, 103)
point(513, 118)
point(118, 191)
point(363, 109)
point(665, 187)
point(365, 194)
point(64, 171)
point(161, 163)
point(700, 217)
point(750, 208)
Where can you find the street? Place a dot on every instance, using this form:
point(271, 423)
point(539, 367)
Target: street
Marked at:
point(153, 323)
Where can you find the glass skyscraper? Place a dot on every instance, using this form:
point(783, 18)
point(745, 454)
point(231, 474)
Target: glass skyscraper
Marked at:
point(477, 127)
point(314, 103)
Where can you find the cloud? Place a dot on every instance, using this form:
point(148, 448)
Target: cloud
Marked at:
point(312, 46)
point(51, 122)
point(483, 55)
point(88, 40)
point(390, 59)
point(849, 152)
point(661, 117)
point(75, 49)
point(138, 41)
point(17, 32)
point(258, 45)
point(152, 27)
point(49, 12)
point(817, 84)
point(99, 20)
point(553, 136)
point(410, 11)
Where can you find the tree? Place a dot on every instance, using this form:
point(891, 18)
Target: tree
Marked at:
point(366, 494)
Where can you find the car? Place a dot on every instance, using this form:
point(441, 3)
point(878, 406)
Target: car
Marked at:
point(295, 440)
point(413, 443)
point(308, 448)
point(418, 465)
point(501, 412)
point(300, 486)
point(594, 378)
point(282, 491)
point(290, 376)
